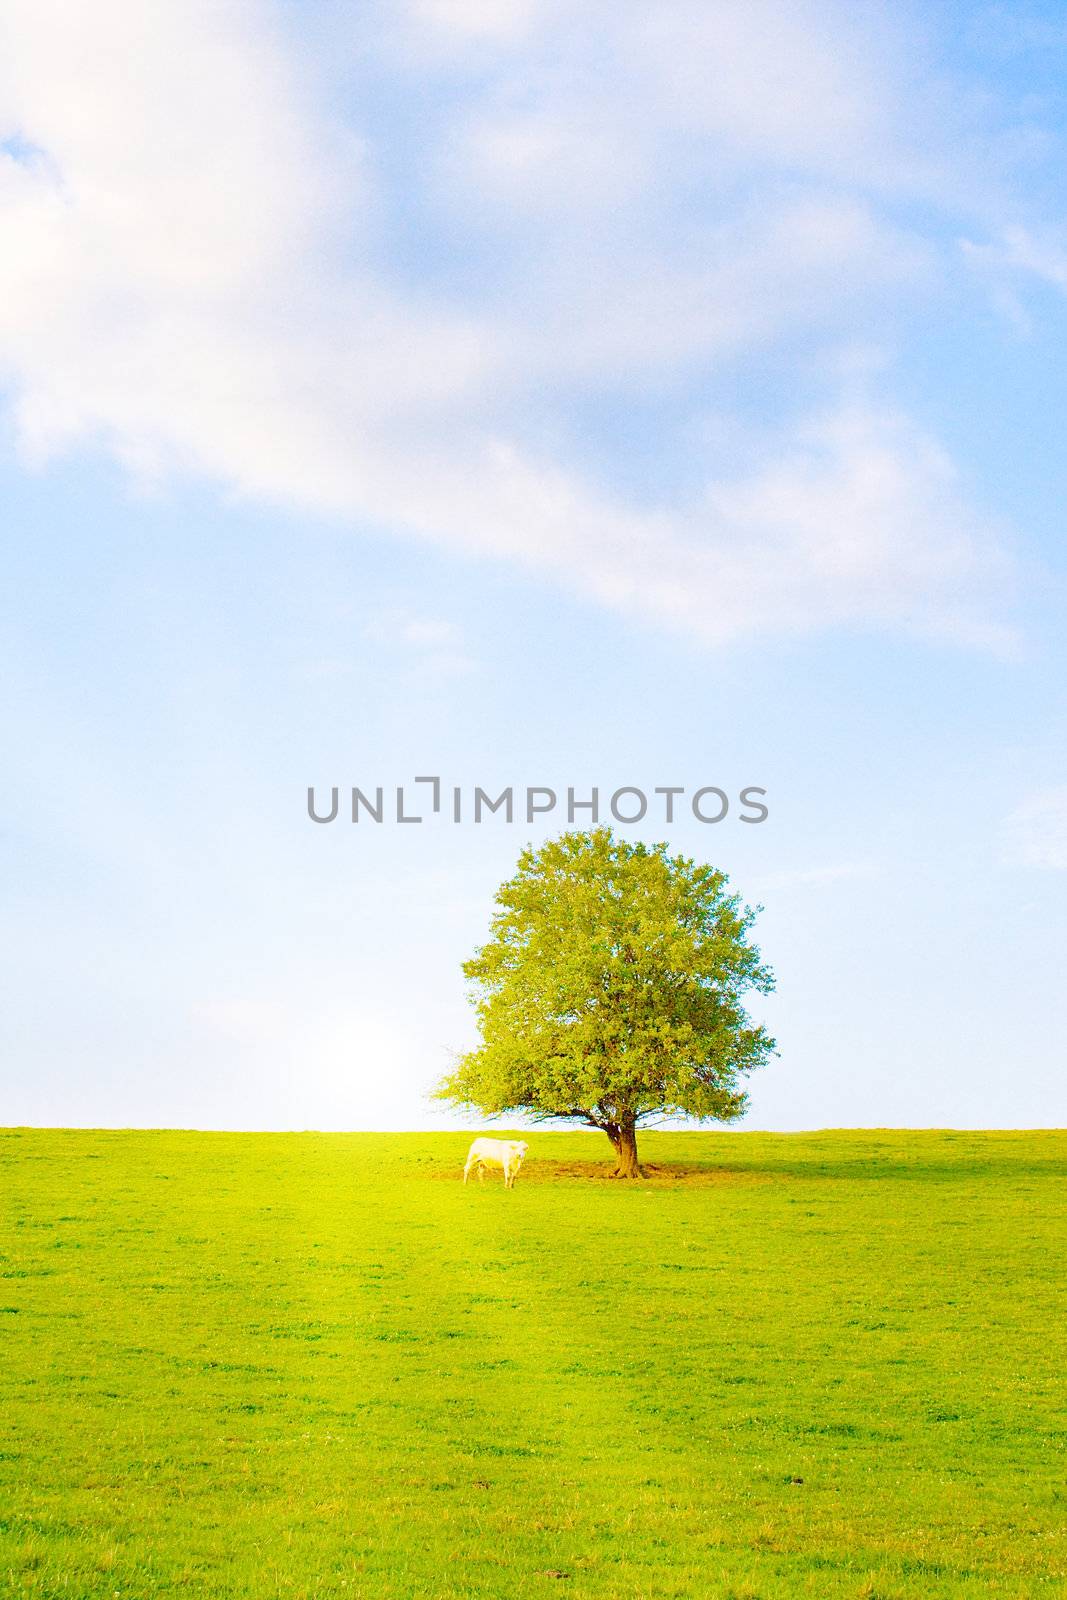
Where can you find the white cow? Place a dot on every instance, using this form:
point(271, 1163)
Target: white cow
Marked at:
point(506, 1153)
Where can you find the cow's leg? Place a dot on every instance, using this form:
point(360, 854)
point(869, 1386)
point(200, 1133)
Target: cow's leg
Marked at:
point(481, 1172)
point(466, 1170)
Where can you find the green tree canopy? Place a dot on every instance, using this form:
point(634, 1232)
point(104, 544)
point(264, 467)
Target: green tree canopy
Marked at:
point(611, 991)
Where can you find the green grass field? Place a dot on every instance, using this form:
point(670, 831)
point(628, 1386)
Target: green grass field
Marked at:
point(311, 1365)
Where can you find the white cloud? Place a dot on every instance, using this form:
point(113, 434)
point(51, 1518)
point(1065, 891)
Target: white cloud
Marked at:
point(496, 21)
point(1021, 251)
point(797, 84)
point(854, 519)
point(196, 276)
point(1035, 834)
point(431, 647)
point(796, 262)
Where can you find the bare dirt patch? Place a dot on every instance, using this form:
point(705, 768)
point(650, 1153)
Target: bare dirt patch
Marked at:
point(671, 1175)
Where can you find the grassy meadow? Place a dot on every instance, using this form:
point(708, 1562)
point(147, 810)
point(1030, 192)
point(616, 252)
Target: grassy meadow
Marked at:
point(316, 1365)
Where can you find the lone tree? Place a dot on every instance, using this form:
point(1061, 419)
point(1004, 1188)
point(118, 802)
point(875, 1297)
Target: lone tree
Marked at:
point(611, 991)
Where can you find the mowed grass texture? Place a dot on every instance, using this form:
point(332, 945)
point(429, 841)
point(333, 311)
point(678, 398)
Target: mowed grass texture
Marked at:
point(317, 1365)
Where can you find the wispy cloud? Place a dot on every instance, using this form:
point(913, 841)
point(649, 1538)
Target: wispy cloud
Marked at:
point(431, 647)
point(206, 273)
point(1035, 834)
point(1018, 252)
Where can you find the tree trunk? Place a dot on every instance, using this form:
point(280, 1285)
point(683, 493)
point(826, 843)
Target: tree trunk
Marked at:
point(623, 1138)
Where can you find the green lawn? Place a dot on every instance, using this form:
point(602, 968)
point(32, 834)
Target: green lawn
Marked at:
point(309, 1364)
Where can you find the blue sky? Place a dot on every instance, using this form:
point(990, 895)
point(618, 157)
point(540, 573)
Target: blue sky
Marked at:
point(528, 394)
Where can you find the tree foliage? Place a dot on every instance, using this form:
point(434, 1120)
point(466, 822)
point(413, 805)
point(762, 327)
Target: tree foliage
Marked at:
point(611, 991)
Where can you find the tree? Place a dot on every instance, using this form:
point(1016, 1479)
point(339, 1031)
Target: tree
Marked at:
point(610, 992)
